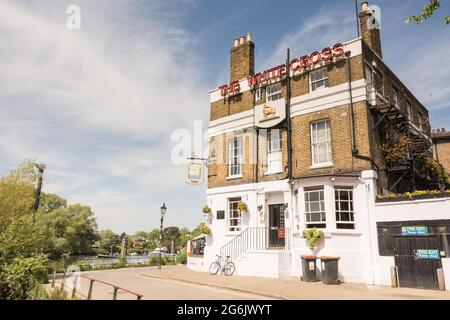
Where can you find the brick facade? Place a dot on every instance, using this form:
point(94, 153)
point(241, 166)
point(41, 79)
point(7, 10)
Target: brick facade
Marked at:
point(441, 149)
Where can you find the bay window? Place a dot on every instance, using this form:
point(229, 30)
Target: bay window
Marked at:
point(315, 208)
point(345, 215)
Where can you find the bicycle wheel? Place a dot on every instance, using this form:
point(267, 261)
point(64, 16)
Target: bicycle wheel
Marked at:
point(214, 268)
point(229, 268)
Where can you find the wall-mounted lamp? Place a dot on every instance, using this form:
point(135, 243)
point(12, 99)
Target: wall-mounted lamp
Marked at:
point(260, 207)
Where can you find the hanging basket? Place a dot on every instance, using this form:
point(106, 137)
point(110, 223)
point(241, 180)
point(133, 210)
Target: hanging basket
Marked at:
point(242, 207)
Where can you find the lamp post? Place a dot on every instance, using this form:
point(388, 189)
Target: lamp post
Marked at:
point(163, 211)
point(37, 198)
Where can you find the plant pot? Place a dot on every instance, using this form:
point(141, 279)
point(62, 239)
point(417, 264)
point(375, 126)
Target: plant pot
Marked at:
point(309, 268)
point(330, 270)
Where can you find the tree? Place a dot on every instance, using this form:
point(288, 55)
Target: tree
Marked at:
point(108, 239)
point(50, 202)
point(19, 235)
point(428, 10)
point(71, 230)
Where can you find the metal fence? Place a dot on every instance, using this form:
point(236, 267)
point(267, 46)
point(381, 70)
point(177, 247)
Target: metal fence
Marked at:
point(94, 261)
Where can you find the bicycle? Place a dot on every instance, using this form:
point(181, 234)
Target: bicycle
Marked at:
point(228, 267)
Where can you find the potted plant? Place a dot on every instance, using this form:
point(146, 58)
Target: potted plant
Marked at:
point(206, 209)
point(309, 261)
point(242, 207)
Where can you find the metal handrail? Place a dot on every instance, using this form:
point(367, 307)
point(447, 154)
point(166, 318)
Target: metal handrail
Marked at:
point(257, 239)
point(91, 286)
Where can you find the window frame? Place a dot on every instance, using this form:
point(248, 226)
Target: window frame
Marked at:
point(269, 96)
point(329, 142)
point(276, 152)
point(234, 214)
point(339, 211)
point(325, 79)
point(234, 168)
point(322, 207)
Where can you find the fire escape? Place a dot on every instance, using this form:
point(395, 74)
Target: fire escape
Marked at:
point(388, 114)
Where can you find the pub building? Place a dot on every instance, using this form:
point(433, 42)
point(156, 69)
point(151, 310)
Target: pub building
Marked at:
point(299, 146)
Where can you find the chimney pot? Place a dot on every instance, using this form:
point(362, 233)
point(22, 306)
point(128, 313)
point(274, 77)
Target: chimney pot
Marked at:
point(249, 37)
point(365, 6)
point(242, 40)
point(236, 42)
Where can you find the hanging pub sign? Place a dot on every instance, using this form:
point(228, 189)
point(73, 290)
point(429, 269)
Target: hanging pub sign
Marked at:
point(195, 172)
point(327, 55)
point(415, 231)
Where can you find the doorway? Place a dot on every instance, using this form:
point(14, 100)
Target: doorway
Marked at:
point(276, 226)
point(417, 259)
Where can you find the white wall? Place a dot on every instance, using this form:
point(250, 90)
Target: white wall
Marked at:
point(431, 209)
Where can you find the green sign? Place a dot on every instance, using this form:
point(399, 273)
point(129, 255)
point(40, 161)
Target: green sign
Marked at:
point(415, 231)
point(427, 254)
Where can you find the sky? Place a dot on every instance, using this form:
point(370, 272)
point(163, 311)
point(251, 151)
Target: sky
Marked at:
point(98, 105)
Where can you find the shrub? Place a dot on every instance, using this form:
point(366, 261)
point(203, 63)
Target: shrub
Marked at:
point(312, 235)
point(58, 293)
point(182, 256)
point(21, 279)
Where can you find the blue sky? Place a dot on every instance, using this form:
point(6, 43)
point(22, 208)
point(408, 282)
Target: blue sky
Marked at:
point(98, 105)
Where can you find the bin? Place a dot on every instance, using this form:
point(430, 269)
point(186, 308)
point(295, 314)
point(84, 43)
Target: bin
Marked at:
point(309, 268)
point(330, 270)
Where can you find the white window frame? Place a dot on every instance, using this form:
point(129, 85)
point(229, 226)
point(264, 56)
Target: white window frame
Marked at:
point(420, 121)
point(316, 144)
point(234, 215)
point(322, 212)
point(274, 152)
point(273, 95)
point(395, 96)
point(258, 95)
point(324, 79)
point(234, 160)
point(409, 110)
point(340, 211)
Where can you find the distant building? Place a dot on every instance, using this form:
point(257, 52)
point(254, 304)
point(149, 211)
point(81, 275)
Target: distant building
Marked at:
point(441, 147)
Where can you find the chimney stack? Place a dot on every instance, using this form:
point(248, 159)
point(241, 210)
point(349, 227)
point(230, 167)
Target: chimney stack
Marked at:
point(242, 58)
point(370, 30)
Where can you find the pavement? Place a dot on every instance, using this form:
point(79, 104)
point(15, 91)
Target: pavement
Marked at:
point(180, 283)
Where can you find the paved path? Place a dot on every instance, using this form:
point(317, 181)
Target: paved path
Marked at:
point(293, 288)
point(152, 289)
point(180, 283)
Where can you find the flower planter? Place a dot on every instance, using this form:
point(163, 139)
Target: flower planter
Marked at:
point(412, 198)
point(309, 268)
point(330, 270)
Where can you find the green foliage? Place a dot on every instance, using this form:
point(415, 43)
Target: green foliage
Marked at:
point(19, 235)
point(433, 169)
point(242, 207)
point(202, 228)
point(206, 209)
point(58, 293)
point(21, 279)
point(50, 202)
point(428, 10)
point(70, 230)
point(312, 235)
point(182, 256)
point(108, 239)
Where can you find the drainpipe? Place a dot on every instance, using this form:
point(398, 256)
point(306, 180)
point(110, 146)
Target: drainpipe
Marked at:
point(352, 111)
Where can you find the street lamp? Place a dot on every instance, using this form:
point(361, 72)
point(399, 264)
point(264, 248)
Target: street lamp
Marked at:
point(37, 198)
point(163, 211)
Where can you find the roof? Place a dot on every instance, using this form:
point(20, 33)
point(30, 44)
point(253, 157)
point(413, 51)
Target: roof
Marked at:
point(443, 135)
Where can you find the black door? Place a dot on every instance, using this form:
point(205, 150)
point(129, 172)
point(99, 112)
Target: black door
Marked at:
point(276, 226)
point(417, 260)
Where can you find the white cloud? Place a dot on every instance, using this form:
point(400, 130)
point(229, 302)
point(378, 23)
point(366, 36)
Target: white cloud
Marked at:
point(98, 105)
